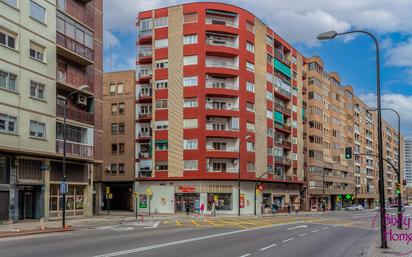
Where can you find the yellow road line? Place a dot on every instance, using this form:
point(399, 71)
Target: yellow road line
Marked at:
point(195, 223)
point(214, 224)
point(178, 223)
point(165, 222)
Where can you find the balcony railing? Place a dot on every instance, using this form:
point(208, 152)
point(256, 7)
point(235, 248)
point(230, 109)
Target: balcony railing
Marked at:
point(283, 92)
point(221, 42)
point(145, 73)
point(223, 149)
point(75, 114)
point(73, 79)
point(228, 169)
point(219, 127)
point(75, 149)
point(80, 12)
point(219, 84)
point(283, 109)
point(145, 155)
point(74, 46)
point(282, 160)
point(145, 54)
point(145, 94)
point(215, 21)
point(145, 134)
point(222, 64)
point(145, 172)
point(282, 126)
point(145, 33)
point(145, 115)
point(222, 106)
point(285, 143)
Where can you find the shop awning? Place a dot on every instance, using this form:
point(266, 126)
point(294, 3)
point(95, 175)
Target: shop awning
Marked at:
point(282, 68)
point(279, 117)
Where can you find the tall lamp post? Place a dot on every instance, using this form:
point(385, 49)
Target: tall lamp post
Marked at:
point(399, 161)
point(331, 35)
point(80, 89)
point(238, 174)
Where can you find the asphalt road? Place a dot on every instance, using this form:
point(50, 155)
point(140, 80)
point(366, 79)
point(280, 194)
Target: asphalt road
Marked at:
point(283, 240)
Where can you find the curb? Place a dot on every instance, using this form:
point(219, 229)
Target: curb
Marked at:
point(34, 232)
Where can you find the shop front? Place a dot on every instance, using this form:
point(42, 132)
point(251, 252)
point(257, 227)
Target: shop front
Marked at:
point(277, 197)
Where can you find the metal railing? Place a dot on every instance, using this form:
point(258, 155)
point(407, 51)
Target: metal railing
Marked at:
point(219, 106)
point(75, 46)
point(219, 42)
point(215, 21)
point(224, 85)
point(75, 149)
point(219, 127)
point(229, 169)
point(221, 64)
point(75, 114)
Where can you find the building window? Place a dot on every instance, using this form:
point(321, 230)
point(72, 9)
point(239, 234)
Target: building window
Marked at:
point(162, 64)
point(112, 89)
point(37, 12)
point(8, 123)
point(250, 147)
point(250, 166)
point(250, 47)
point(269, 40)
point(121, 168)
point(269, 114)
point(12, 3)
point(121, 128)
point(161, 43)
point(121, 148)
point(190, 60)
point(250, 87)
point(161, 165)
point(250, 107)
point(121, 108)
point(190, 39)
point(250, 66)
point(120, 88)
point(250, 126)
point(160, 84)
point(7, 39)
point(161, 22)
point(113, 168)
point(161, 104)
point(114, 108)
point(161, 145)
point(190, 81)
point(190, 17)
point(37, 52)
point(222, 201)
point(190, 165)
point(190, 123)
point(37, 129)
point(114, 148)
point(8, 81)
point(114, 128)
point(161, 125)
point(250, 26)
point(37, 90)
point(190, 102)
point(189, 144)
point(269, 95)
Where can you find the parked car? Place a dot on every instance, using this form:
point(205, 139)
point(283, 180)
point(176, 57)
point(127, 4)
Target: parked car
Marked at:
point(355, 208)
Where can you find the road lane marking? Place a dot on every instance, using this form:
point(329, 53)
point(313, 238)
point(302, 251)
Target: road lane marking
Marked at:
point(286, 240)
point(165, 222)
point(245, 255)
point(314, 231)
point(304, 234)
point(302, 226)
point(195, 223)
point(267, 247)
point(325, 228)
point(184, 241)
point(178, 223)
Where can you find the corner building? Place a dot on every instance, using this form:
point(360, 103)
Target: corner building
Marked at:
point(218, 93)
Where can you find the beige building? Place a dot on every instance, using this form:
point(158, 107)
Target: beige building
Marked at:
point(119, 102)
point(41, 63)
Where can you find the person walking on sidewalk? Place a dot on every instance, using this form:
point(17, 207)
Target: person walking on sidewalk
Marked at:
point(202, 208)
point(289, 208)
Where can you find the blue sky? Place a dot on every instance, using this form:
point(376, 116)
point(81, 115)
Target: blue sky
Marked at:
point(299, 22)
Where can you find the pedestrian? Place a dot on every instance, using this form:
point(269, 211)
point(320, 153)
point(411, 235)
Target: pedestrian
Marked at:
point(202, 208)
point(289, 208)
point(187, 209)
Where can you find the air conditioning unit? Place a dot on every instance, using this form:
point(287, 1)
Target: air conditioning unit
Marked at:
point(81, 100)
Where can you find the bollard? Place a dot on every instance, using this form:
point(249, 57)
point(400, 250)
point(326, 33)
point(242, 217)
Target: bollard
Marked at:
point(42, 224)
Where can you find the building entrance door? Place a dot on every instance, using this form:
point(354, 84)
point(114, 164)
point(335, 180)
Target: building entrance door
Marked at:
point(186, 199)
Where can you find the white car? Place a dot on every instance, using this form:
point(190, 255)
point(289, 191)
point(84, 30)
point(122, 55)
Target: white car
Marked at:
point(355, 208)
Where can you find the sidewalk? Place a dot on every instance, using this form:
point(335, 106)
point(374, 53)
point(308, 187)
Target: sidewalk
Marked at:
point(397, 243)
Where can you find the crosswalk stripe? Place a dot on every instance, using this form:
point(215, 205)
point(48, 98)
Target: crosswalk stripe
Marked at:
point(195, 223)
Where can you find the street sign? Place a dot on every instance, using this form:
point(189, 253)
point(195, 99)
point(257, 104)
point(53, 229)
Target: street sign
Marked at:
point(136, 194)
point(64, 187)
point(149, 191)
point(107, 190)
point(143, 201)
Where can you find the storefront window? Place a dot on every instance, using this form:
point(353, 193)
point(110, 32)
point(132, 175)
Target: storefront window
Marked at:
point(74, 200)
point(223, 201)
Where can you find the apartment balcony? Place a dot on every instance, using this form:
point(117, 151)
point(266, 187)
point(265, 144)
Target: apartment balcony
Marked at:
point(145, 173)
point(73, 50)
point(222, 66)
point(75, 149)
point(75, 114)
point(145, 76)
point(144, 136)
point(221, 21)
point(222, 45)
point(144, 155)
point(145, 56)
point(281, 57)
point(81, 12)
point(216, 129)
point(70, 81)
point(304, 90)
point(222, 87)
point(280, 92)
point(283, 127)
point(145, 36)
point(283, 109)
point(145, 95)
point(144, 117)
point(283, 143)
point(221, 108)
point(280, 160)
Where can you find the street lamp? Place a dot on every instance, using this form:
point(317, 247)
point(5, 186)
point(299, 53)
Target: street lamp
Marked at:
point(399, 161)
point(80, 89)
point(238, 175)
point(331, 35)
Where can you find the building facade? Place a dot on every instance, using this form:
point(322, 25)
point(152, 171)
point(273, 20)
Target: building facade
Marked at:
point(119, 104)
point(407, 151)
point(46, 52)
point(216, 84)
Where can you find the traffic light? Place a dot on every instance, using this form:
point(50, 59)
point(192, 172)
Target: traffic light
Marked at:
point(398, 188)
point(348, 153)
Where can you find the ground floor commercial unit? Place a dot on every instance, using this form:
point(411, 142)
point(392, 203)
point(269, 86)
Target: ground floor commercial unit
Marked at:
point(182, 195)
point(121, 196)
point(336, 202)
point(30, 187)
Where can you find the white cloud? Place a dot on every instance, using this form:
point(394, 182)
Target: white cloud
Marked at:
point(110, 39)
point(400, 55)
point(401, 103)
point(120, 63)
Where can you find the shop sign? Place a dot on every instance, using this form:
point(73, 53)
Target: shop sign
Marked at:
point(187, 189)
point(149, 191)
point(242, 201)
point(216, 198)
point(142, 201)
